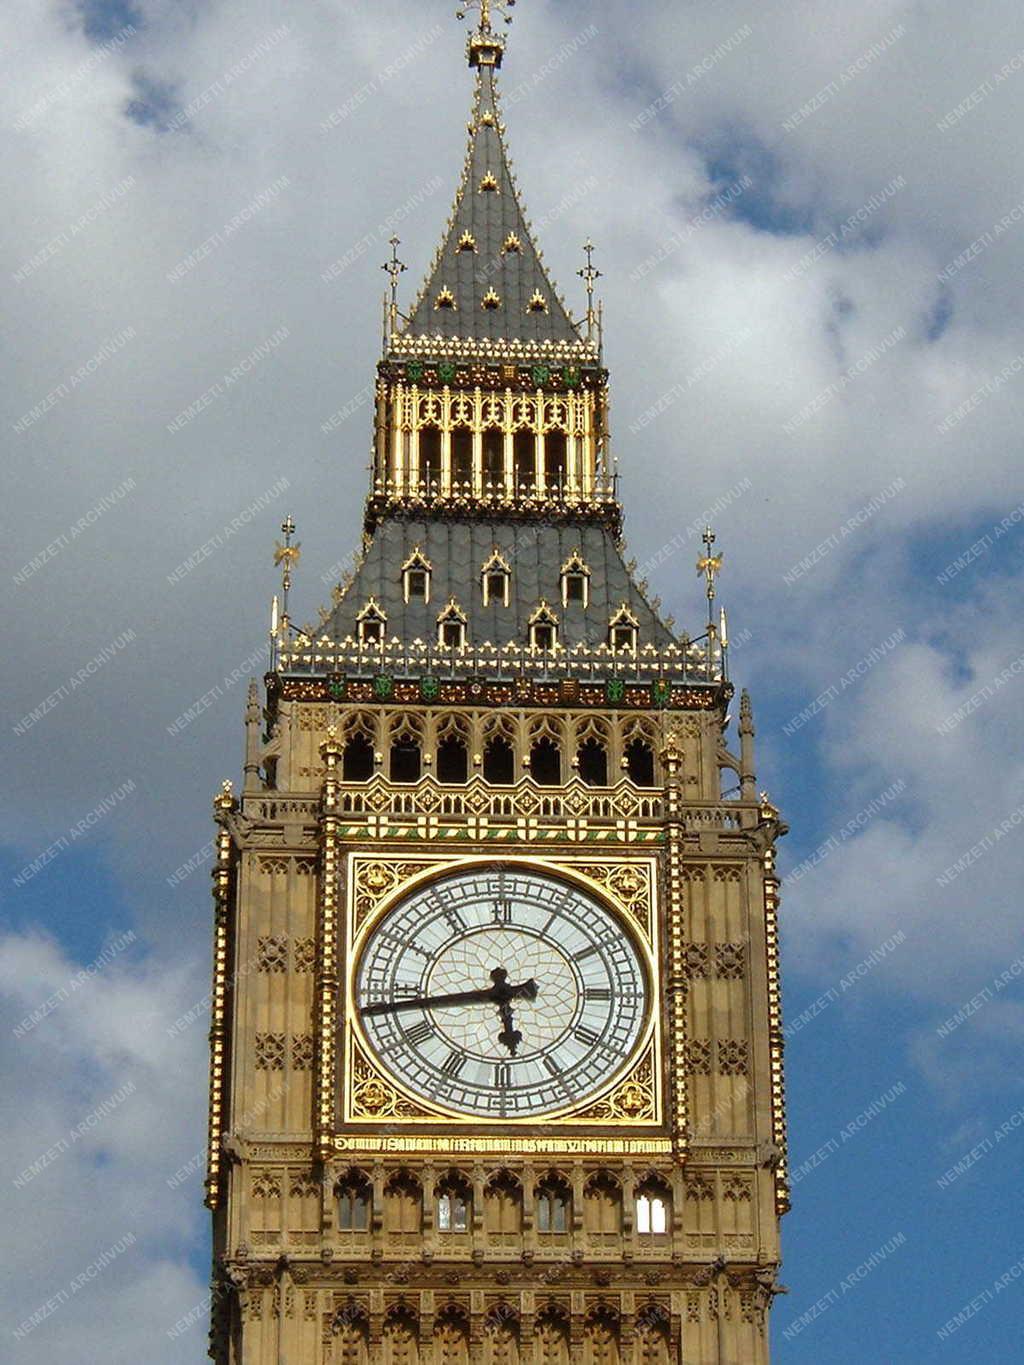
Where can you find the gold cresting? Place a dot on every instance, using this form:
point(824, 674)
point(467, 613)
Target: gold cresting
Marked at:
point(677, 985)
point(223, 805)
point(327, 967)
point(776, 1042)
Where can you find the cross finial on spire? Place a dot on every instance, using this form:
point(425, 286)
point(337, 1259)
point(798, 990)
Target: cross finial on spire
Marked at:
point(286, 555)
point(394, 268)
point(709, 565)
point(589, 275)
point(485, 46)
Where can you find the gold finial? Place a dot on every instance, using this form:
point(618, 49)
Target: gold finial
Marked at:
point(589, 276)
point(286, 555)
point(394, 268)
point(485, 46)
point(709, 565)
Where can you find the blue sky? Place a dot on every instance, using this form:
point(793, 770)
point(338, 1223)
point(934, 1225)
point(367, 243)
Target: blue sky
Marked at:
point(838, 354)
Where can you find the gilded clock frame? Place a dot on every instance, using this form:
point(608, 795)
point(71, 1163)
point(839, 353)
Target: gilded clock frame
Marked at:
point(370, 1098)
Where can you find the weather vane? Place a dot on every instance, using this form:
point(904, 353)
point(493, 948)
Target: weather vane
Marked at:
point(709, 565)
point(589, 275)
point(394, 268)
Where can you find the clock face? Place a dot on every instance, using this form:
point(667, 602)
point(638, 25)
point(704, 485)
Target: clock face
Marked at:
point(501, 993)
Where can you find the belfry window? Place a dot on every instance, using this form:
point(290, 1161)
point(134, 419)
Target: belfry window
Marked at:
point(499, 762)
point(406, 753)
point(357, 760)
point(546, 762)
point(371, 623)
point(462, 458)
point(416, 574)
point(430, 459)
point(555, 462)
point(553, 1206)
point(496, 580)
point(524, 461)
point(575, 581)
point(592, 761)
point(543, 628)
point(451, 626)
point(494, 458)
point(638, 761)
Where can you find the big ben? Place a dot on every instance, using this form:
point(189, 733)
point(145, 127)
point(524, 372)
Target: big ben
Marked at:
point(496, 1043)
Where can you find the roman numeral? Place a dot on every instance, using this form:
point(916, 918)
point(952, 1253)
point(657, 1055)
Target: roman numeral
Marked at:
point(419, 1033)
point(587, 1035)
point(502, 1076)
point(552, 1067)
point(502, 912)
point(596, 993)
point(588, 952)
point(454, 1063)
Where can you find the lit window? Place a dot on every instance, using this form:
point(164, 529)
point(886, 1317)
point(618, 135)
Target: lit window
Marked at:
point(452, 1213)
point(651, 1214)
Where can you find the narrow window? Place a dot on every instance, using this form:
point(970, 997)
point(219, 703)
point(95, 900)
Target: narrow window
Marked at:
point(357, 761)
point(370, 624)
point(524, 456)
point(592, 758)
point(499, 762)
point(451, 627)
point(452, 760)
point(552, 1208)
point(640, 763)
point(462, 458)
point(575, 588)
point(575, 581)
point(354, 1206)
point(651, 1215)
point(452, 1212)
point(546, 763)
point(622, 630)
point(555, 461)
point(543, 629)
point(430, 459)
point(494, 458)
point(406, 758)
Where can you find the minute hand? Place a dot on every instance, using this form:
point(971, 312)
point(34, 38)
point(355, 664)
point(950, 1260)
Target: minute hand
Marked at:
point(498, 994)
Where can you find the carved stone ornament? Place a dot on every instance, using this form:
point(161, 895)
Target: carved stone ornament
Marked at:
point(373, 1097)
point(633, 1099)
point(272, 953)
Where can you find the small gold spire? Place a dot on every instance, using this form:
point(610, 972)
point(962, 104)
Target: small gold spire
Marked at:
point(491, 299)
point(489, 184)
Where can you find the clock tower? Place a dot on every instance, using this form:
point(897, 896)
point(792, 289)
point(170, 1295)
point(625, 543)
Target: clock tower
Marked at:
point(496, 1047)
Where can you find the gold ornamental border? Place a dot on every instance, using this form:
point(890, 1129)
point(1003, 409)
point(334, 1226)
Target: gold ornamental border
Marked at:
point(632, 1096)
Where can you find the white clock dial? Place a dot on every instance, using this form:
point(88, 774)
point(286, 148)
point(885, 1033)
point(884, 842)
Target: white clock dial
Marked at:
point(502, 992)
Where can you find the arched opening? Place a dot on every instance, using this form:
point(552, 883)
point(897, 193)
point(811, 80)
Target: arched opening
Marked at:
point(430, 459)
point(503, 1204)
point(552, 1332)
point(499, 762)
point(640, 762)
point(546, 762)
point(351, 1330)
point(652, 1326)
point(462, 459)
point(454, 1198)
point(400, 1337)
point(452, 759)
point(406, 756)
point(554, 1200)
point(357, 760)
point(602, 1336)
point(602, 1204)
point(592, 760)
point(653, 1209)
point(555, 461)
point(451, 1336)
point(501, 1336)
point(403, 1203)
point(494, 458)
point(524, 458)
point(354, 1195)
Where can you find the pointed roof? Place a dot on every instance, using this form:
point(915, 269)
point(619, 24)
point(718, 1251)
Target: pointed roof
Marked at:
point(487, 281)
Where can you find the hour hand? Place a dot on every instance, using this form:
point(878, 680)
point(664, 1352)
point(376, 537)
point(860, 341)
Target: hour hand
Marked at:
point(509, 1036)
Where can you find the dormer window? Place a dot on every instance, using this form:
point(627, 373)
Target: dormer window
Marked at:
point(371, 623)
point(623, 629)
point(416, 574)
point(543, 628)
point(511, 243)
point(451, 626)
point(496, 579)
point(538, 303)
point(489, 184)
point(467, 242)
point(575, 581)
point(445, 299)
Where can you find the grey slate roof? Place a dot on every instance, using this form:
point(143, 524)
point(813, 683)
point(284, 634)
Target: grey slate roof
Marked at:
point(489, 216)
point(458, 550)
